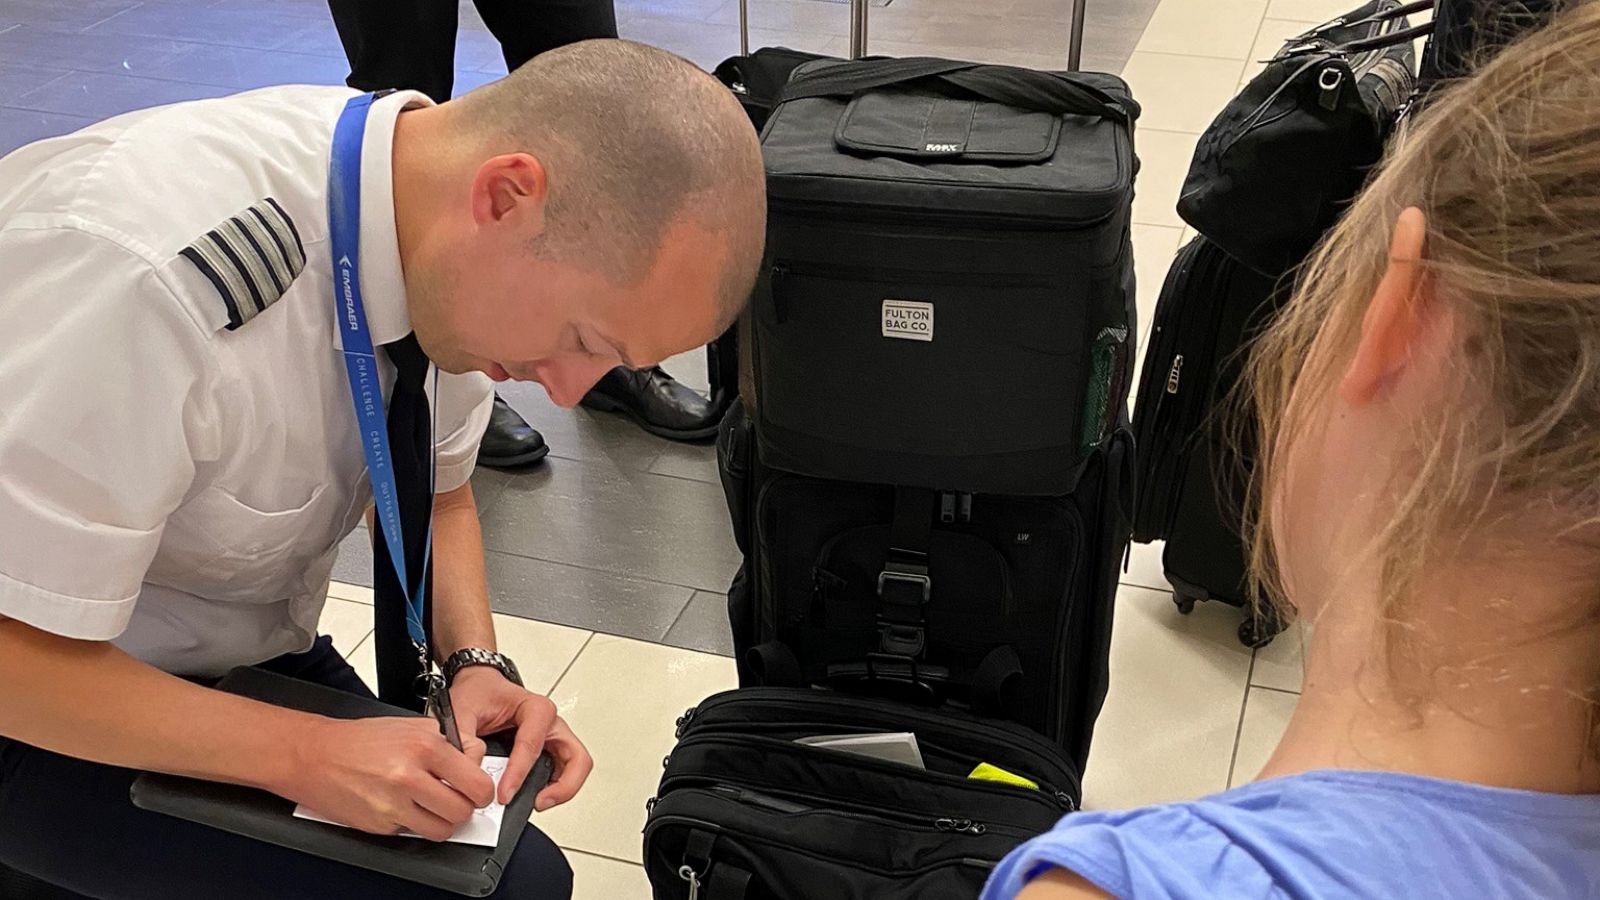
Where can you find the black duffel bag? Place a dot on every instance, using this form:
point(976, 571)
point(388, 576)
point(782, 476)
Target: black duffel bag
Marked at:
point(947, 299)
point(744, 812)
point(1280, 162)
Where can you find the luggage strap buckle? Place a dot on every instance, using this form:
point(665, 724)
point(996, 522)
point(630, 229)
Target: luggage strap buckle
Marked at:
point(903, 591)
point(919, 579)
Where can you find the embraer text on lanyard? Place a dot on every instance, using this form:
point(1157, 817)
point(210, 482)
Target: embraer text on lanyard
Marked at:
point(360, 358)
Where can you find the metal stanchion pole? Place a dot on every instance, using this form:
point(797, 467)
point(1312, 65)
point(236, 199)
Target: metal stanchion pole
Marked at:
point(1075, 46)
point(744, 27)
point(858, 28)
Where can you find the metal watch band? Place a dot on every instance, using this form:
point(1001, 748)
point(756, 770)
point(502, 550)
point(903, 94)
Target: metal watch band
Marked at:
point(477, 656)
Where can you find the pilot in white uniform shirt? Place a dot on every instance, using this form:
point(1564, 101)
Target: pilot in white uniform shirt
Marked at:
point(179, 457)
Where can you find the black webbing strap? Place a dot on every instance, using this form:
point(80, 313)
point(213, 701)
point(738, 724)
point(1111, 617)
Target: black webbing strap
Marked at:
point(708, 879)
point(727, 882)
point(904, 585)
point(772, 664)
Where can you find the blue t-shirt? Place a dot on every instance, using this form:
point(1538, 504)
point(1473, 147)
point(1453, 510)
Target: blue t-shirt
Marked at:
point(1329, 834)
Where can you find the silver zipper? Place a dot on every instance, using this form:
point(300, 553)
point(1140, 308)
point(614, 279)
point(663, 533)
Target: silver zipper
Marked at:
point(1174, 374)
point(960, 826)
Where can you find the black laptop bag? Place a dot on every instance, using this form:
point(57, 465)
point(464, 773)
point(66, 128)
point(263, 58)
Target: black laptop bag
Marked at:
point(744, 812)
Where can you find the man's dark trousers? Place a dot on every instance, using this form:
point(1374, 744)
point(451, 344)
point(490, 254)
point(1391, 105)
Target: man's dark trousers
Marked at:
point(70, 823)
point(411, 44)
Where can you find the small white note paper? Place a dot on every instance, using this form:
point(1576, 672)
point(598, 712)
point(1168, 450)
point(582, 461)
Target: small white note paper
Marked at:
point(482, 830)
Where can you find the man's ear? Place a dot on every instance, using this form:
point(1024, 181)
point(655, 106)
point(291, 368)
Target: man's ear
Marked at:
point(1396, 317)
point(511, 188)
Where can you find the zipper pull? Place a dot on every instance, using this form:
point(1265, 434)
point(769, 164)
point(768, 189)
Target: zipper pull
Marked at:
point(960, 826)
point(1174, 374)
point(780, 273)
point(684, 720)
point(1065, 800)
point(687, 873)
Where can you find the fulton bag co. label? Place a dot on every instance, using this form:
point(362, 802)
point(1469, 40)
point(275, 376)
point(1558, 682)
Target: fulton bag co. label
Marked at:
point(908, 320)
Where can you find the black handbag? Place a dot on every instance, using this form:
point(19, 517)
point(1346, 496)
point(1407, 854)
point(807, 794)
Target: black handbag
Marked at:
point(744, 812)
point(1278, 164)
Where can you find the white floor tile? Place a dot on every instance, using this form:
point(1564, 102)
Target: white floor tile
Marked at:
point(347, 623)
point(1181, 93)
point(1281, 664)
point(1164, 158)
point(800, 16)
point(622, 698)
point(364, 660)
point(1168, 727)
point(599, 878)
point(1145, 569)
point(352, 592)
point(1270, 39)
point(798, 39)
point(1153, 249)
point(542, 651)
point(689, 368)
point(1266, 715)
point(1221, 28)
point(1309, 10)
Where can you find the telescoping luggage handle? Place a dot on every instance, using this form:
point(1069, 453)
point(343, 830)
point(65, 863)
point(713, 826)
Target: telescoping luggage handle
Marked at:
point(858, 30)
point(1023, 88)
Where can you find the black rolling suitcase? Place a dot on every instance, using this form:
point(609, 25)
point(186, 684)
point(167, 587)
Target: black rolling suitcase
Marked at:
point(991, 603)
point(1260, 198)
point(942, 347)
point(1191, 485)
point(941, 350)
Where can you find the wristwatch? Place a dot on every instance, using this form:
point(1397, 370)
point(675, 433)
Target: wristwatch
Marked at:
point(477, 656)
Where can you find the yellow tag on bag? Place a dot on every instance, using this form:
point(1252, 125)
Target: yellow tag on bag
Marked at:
point(986, 772)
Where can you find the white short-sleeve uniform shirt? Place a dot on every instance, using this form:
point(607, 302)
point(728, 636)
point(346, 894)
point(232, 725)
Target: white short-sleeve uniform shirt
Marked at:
point(167, 482)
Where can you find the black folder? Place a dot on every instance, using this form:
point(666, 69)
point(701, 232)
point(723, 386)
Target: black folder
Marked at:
point(459, 868)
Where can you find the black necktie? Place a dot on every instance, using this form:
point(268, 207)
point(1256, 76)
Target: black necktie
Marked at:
point(411, 454)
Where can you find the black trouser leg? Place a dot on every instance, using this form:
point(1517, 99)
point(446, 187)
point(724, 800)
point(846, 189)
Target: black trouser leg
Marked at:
point(527, 28)
point(70, 823)
point(406, 44)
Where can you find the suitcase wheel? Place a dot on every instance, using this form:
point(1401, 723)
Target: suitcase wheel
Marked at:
point(1256, 632)
point(1185, 602)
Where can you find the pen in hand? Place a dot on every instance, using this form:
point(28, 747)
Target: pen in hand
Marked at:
point(439, 704)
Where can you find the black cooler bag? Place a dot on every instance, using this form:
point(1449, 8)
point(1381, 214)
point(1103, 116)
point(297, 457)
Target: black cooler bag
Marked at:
point(947, 298)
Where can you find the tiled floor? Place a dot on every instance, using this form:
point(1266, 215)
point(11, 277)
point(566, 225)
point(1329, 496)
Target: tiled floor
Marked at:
point(607, 564)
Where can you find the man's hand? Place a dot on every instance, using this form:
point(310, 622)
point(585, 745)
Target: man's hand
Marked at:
point(385, 775)
point(486, 703)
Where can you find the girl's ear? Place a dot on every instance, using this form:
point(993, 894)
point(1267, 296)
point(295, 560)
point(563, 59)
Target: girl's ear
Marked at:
point(1395, 315)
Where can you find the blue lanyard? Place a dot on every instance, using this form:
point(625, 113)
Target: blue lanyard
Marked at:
point(360, 359)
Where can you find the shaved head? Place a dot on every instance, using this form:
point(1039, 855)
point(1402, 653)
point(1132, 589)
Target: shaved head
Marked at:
point(633, 140)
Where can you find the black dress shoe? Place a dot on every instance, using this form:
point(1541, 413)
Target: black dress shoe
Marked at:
point(659, 404)
point(510, 441)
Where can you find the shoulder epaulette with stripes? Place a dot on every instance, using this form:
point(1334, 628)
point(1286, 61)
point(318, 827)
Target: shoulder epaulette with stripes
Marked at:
point(251, 259)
